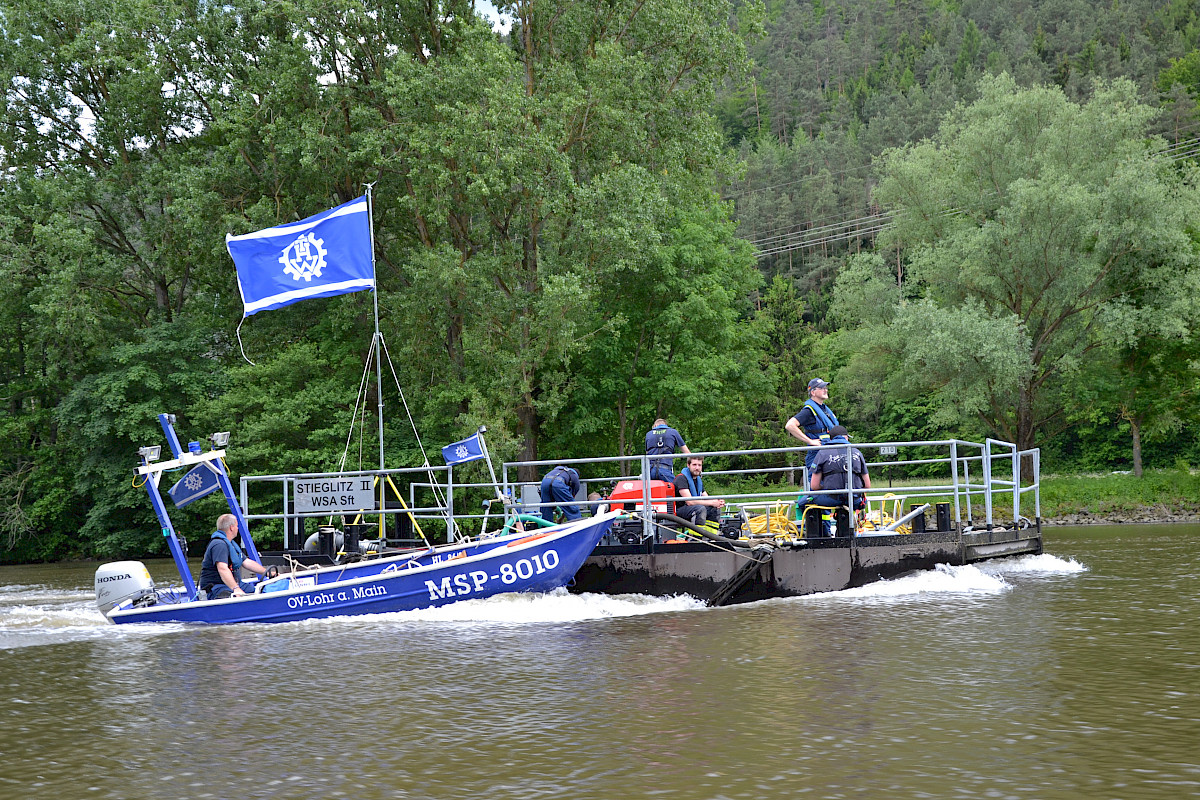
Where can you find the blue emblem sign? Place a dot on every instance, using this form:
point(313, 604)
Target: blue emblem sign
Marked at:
point(468, 449)
point(201, 480)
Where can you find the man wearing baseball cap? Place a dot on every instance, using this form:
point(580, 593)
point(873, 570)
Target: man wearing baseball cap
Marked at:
point(814, 420)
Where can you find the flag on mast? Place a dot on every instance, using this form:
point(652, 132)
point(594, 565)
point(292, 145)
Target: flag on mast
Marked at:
point(322, 256)
point(468, 449)
point(200, 481)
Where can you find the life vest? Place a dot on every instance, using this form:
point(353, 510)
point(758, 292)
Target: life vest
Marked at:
point(825, 417)
point(695, 485)
point(235, 556)
point(564, 474)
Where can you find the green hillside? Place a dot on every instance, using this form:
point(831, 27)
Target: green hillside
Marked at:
point(975, 219)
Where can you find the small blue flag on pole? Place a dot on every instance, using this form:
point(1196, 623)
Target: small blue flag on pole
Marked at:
point(201, 480)
point(322, 256)
point(468, 449)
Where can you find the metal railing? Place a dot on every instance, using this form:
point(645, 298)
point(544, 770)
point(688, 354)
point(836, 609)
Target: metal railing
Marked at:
point(966, 473)
point(958, 485)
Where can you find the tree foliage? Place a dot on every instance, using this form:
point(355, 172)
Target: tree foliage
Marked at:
point(519, 181)
point(553, 254)
point(1036, 228)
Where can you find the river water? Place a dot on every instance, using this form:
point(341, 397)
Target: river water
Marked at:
point(1075, 674)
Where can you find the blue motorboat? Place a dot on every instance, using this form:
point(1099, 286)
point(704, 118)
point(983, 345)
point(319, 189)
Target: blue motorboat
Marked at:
point(518, 561)
point(368, 583)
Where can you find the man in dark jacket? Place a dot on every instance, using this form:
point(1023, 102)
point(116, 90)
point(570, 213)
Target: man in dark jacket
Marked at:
point(662, 440)
point(223, 561)
point(560, 486)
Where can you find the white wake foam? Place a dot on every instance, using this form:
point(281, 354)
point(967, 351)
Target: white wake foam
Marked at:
point(1044, 564)
point(57, 617)
point(557, 606)
point(984, 578)
point(526, 608)
point(32, 593)
point(37, 607)
point(944, 579)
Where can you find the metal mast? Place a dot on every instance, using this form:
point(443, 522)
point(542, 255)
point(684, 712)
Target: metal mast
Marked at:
point(378, 340)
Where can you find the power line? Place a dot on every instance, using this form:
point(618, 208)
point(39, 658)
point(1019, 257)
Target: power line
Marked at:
point(789, 226)
point(817, 229)
point(860, 233)
point(874, 223)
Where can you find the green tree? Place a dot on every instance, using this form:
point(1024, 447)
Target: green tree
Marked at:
point(536, 173)
point(120, 145)
point(515, 176)
point(672, 341)
point(1029, 221)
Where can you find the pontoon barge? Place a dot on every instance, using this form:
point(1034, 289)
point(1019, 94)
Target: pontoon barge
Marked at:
point(970, 499)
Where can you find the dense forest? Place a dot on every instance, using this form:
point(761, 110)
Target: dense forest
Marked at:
point(975, 219)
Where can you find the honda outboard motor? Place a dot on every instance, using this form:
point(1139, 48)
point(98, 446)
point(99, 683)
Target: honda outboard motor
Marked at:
point(121, 581)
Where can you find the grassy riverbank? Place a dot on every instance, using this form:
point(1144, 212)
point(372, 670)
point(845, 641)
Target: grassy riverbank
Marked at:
point(1159, 495)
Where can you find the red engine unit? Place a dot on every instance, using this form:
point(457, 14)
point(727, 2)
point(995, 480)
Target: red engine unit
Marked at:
point(628, 496)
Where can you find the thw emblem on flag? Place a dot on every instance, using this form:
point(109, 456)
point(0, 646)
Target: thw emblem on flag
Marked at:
point(322, 256)
point(304, 258)
point(201, 480)
point(468, 449)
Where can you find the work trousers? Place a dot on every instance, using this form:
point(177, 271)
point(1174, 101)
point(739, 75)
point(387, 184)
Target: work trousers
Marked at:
point(556, 490)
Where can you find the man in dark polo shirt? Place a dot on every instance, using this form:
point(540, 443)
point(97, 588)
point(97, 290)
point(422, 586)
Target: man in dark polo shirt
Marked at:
point(829, 471)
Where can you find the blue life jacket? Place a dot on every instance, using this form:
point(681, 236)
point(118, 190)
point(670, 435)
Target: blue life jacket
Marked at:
point(695, 485)
point(208, 570)
point(825, 417)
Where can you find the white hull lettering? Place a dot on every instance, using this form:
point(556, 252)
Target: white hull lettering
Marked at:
point(326, 598)
point(476, 580)
point(439, 592)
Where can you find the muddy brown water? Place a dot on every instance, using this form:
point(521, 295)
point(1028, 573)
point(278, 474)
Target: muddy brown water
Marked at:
point(1075, 674)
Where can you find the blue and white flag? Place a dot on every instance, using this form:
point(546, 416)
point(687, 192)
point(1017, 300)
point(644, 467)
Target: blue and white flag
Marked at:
point(327, 254)
point(201, 480)
point(468, 449)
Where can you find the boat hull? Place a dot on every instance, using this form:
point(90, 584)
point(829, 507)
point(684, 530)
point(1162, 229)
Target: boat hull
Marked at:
point(818, 565)
point(538, 562)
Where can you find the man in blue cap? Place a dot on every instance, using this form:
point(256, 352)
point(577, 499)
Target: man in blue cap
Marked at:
point(813, 422)
point(560, 486)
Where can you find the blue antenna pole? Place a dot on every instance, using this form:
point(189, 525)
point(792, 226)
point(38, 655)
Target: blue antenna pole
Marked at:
point(168, 425)
point(168, 532)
